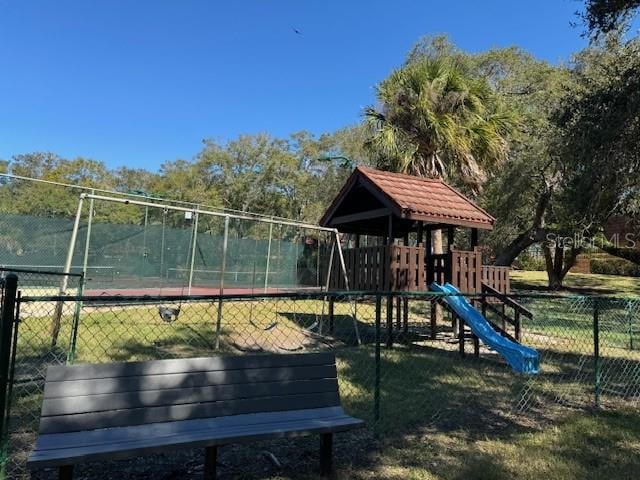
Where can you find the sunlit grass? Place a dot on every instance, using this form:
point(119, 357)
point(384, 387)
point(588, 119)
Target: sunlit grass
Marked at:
point(588, 283)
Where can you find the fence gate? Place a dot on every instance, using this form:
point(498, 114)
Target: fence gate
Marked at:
point(8, 330)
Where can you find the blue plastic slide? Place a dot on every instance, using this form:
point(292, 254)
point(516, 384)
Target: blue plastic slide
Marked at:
point(522, 359)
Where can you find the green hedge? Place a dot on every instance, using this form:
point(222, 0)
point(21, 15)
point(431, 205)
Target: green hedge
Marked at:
point(528, 262)
point(611, 266)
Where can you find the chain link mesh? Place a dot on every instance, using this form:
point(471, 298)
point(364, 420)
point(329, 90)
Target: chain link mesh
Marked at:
point(589, 352)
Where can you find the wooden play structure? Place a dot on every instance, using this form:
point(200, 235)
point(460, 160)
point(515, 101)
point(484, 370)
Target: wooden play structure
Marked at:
point(396, 215)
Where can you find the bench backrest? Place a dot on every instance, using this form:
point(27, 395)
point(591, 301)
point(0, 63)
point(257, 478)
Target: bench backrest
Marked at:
point(88, 397)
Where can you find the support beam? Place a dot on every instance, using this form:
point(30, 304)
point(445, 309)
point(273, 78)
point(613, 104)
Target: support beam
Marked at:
point(433, 319)
point(451, 231)
point(474, 238)
point(210, 463)
point(461, 336)
point(357, 217)
point(405, 315)
point(326, 454)
point(420, 233)
point(389, 321)
point(65, 472)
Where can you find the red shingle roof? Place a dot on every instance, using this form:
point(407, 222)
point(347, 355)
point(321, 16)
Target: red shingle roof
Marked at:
point(422, 199)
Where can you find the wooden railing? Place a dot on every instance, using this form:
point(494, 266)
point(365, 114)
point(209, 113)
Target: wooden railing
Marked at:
point(464, 270)
point(380, 268)
point(438, 269)
point(496, 278)
point(399, 268)
point(500, 305)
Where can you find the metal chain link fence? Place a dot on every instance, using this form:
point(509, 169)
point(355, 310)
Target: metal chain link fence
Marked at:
point(396, 370)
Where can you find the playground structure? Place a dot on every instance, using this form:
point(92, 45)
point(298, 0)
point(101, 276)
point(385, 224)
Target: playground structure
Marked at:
point(395, 216)
point(386, 220)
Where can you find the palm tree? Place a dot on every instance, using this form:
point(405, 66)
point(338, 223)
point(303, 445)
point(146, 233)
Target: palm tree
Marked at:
point(436, 120)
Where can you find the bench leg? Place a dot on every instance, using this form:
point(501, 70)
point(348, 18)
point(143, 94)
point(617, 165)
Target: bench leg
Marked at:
point(326, 454)
point(210, 461)
point(65, 472)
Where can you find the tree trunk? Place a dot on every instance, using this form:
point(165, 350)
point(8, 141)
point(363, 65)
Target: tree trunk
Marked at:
point(559, 264)
point(436, 239)
point(518, 245)
point(537, 233)
point(436, 243)
point(553, 272)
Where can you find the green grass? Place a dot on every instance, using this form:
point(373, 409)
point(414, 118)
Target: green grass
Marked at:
point(581, 283)
point(441, 416)
point(602, 445)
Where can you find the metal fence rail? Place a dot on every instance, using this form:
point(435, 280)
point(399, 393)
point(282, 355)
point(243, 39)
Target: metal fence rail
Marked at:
point(589, 351)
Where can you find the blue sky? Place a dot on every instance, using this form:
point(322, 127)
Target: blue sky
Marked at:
point(138, 83)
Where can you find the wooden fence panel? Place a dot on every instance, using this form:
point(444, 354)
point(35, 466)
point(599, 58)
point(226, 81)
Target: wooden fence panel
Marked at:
point(394, 268)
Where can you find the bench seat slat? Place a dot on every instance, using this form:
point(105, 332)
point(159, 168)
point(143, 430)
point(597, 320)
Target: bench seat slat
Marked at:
point(140, 416)
point(55, 441)
point(199, 438)
point(181, 396)
point(58, 373)
point(185, 380)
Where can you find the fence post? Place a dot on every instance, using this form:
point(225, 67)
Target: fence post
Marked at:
point(596, 351)
point(71, 356)
point(376, 388)
point(7, 321)
point(225, 242)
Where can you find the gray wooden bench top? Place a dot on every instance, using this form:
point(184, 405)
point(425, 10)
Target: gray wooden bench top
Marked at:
point(109, 411)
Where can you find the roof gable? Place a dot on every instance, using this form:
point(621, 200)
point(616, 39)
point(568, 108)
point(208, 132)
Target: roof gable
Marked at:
point(413, 198)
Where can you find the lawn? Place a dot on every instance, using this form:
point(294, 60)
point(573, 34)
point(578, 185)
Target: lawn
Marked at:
point(580, 446)
point(441, 416)
point(579, 283)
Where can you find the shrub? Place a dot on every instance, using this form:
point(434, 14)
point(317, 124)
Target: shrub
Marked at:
point(614, 266)
point(529, 262)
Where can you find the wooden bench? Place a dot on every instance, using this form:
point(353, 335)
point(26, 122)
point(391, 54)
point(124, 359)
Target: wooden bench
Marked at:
point(110, 411)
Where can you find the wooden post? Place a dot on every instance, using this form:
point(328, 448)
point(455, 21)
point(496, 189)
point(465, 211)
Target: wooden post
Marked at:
point(433, 319)
point(430, 274)
point(210, 461)
point(461, 336)
point(474, 238)
point(451, 231)
point(405, 239)
point(357, 240)
point(398, 313)
point(476, 346)
point(516, 317)
point(420, 233)
point(326, 453)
